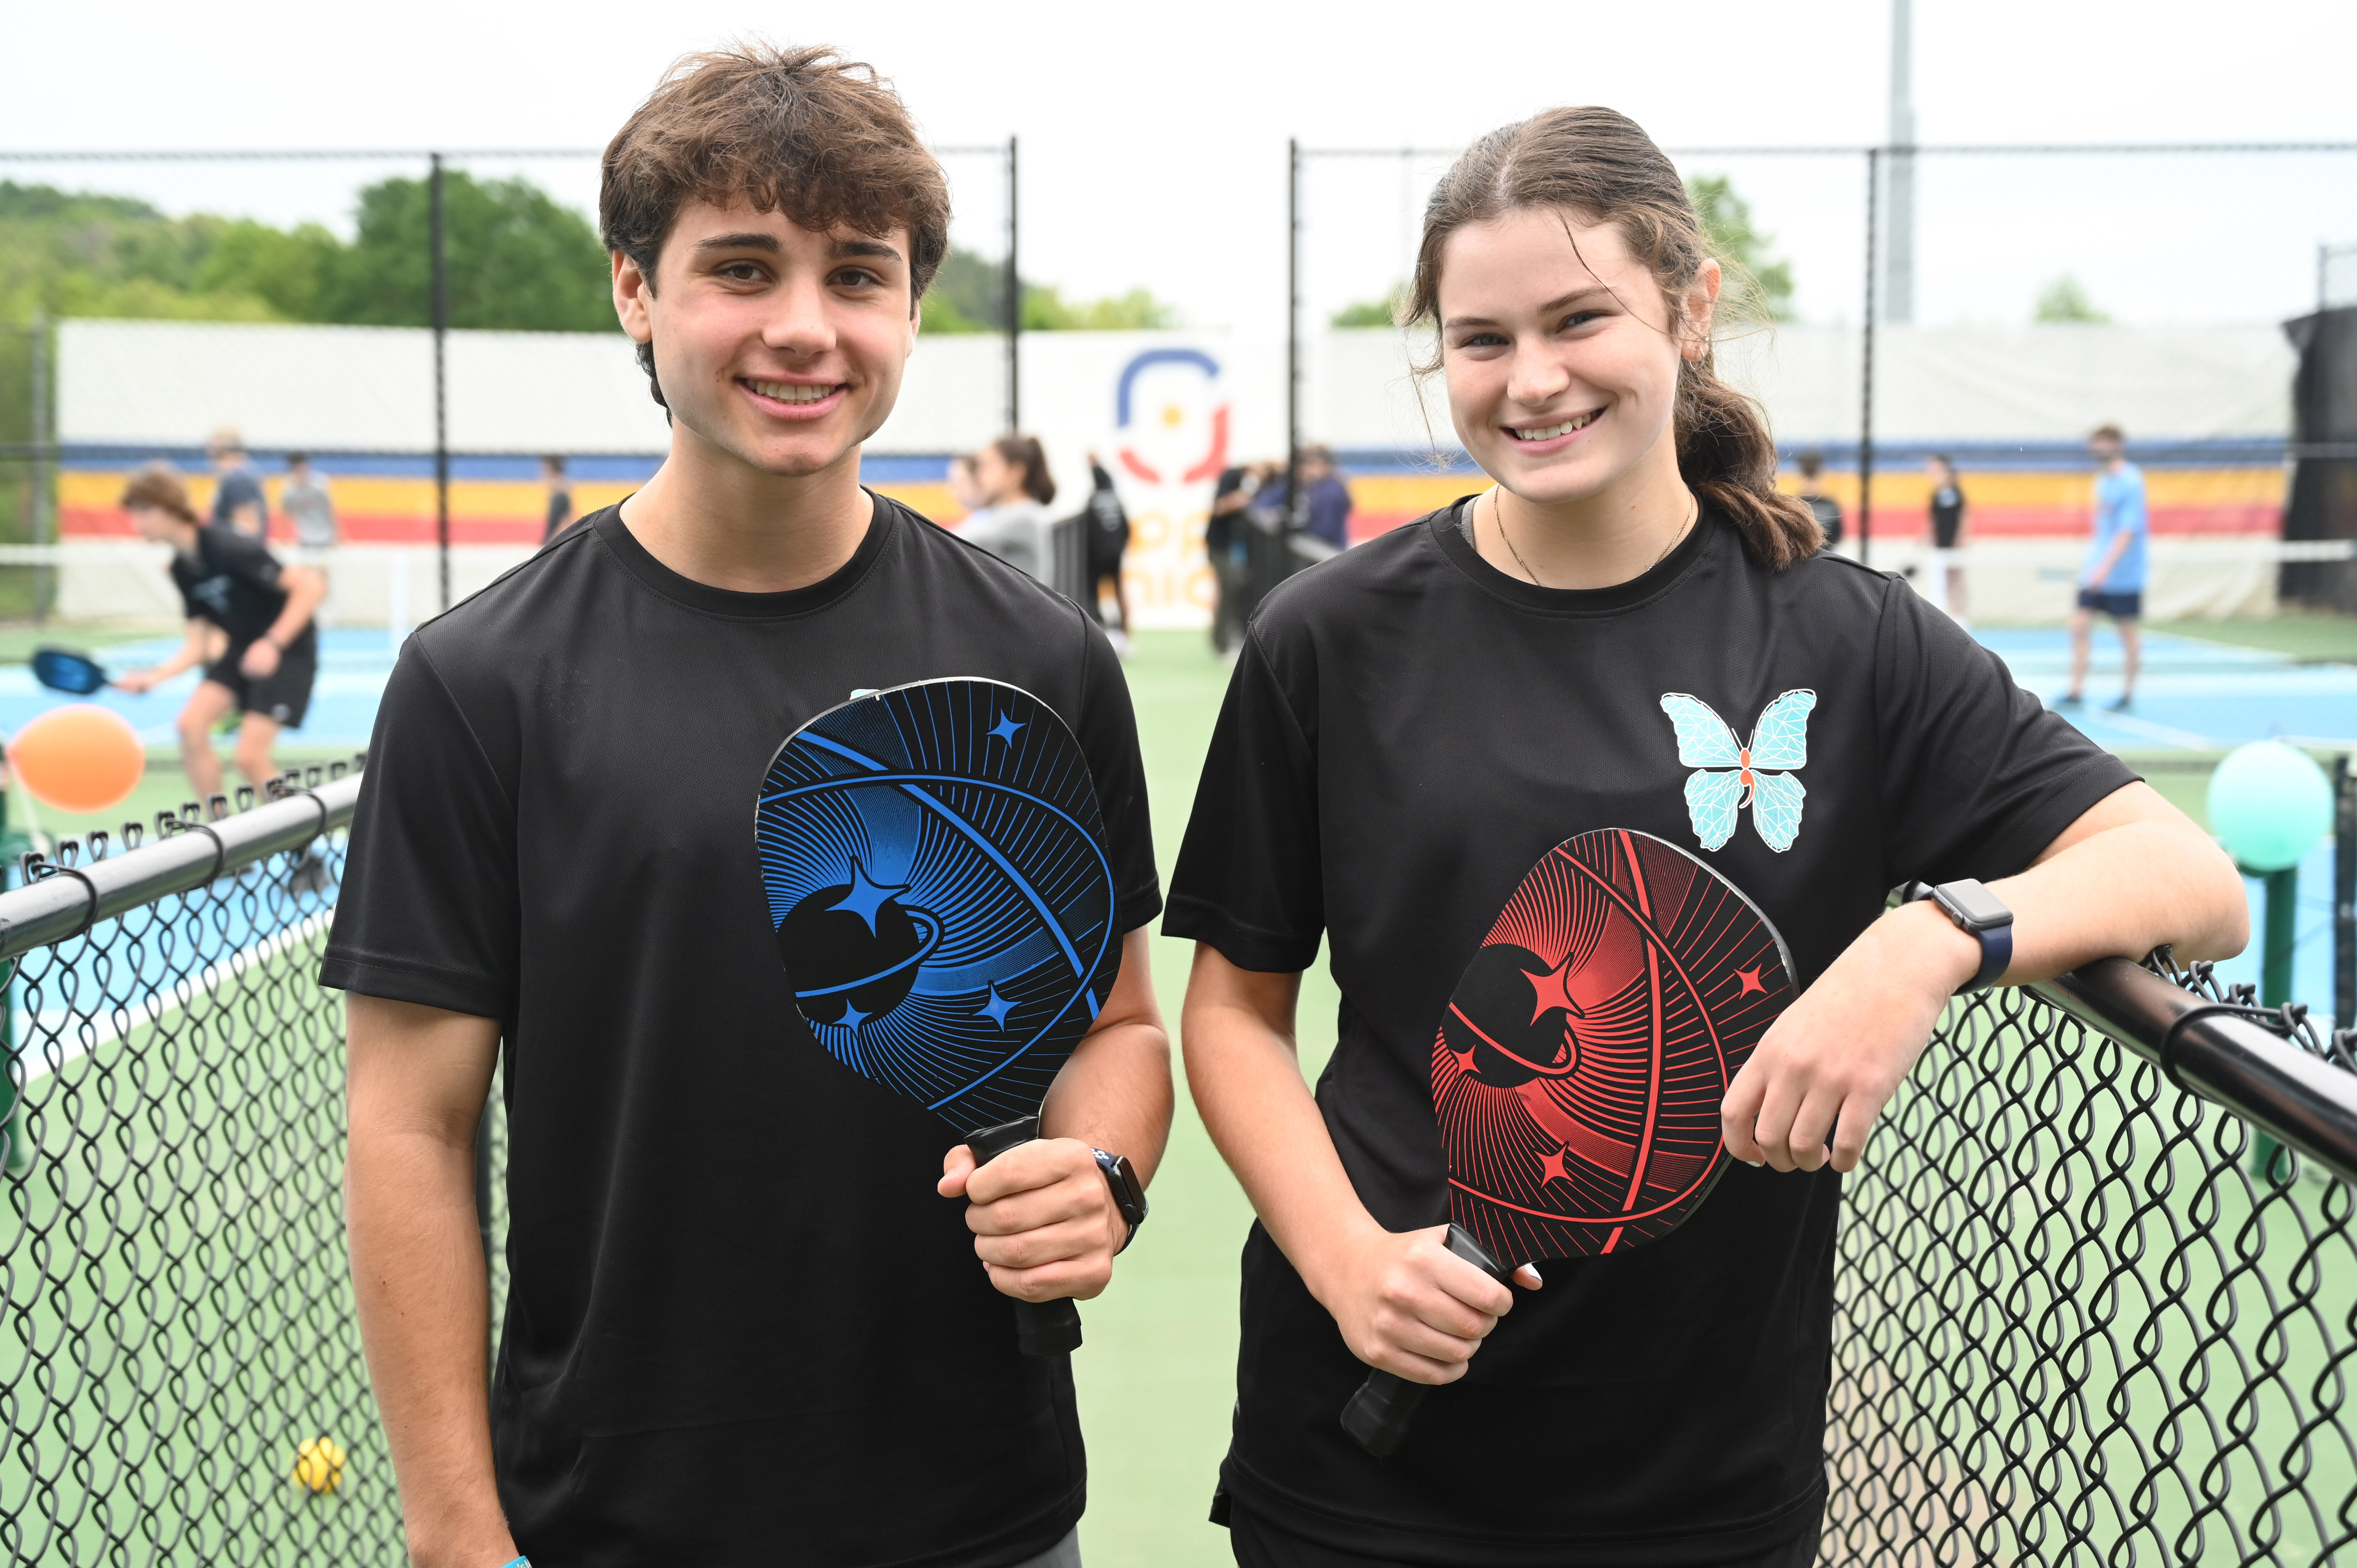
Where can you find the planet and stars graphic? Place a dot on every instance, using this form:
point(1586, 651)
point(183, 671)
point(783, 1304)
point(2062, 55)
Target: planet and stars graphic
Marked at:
point(935, 872)
point(1578, 1069)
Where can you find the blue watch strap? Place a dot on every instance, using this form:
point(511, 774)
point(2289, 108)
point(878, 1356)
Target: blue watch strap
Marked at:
point(1996, 956)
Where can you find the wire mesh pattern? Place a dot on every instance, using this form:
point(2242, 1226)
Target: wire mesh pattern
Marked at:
point(2084, 1317)
point(180, 1371)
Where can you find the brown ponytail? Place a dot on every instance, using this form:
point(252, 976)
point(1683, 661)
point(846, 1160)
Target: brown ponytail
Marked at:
point(1600, 166)
point(1024, 452)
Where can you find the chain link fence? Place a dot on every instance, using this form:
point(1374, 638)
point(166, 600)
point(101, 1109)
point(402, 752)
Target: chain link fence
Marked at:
point(2086, 1314)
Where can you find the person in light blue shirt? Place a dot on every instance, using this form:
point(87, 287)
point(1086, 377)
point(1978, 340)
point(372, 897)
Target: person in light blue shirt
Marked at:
point(2111, 583)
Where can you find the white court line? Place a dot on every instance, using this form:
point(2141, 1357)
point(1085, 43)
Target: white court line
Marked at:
point(94, 1030)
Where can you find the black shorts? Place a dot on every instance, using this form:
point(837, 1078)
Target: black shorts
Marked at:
point(283, 696)
point(1104, 558)
point(2119, 606)
point(1257, 1543)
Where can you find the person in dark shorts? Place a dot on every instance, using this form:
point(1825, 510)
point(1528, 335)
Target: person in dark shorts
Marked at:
point(560, 498)
point(2111, 583)
point(1822, 507)
point(1108, 535)
point(240, 598)
point(1947, 538)
point(1575, 650)
point(239, 501)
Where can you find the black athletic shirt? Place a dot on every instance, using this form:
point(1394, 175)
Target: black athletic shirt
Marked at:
point(233, 580)
point(743, 1328)
point(1947, 515)
point(1407, 731)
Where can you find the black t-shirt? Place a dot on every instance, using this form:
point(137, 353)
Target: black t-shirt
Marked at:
point(742, 1326)
point(232, 580)
point(1829, 516)
point(1947, 515)
point(1407, 731)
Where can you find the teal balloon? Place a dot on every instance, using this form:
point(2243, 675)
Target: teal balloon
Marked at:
point(2269, 803)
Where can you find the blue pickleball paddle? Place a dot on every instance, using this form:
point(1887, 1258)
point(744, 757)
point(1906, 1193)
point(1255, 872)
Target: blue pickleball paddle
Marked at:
point(945, 907)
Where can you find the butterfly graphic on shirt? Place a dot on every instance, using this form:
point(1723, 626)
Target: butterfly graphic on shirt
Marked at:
point(1756, 776)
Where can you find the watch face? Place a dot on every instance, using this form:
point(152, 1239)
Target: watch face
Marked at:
point(1979, 908)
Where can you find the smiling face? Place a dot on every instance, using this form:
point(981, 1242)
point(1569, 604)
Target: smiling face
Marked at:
point(1561, 354)
point(776, 346)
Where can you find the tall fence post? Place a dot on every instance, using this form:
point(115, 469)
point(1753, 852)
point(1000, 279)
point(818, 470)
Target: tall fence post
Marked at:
point(2344, 894)
point(1013, 288)
point(1866, 365)
point(1295, 511)
point(441, 308)
point(44, 577)
point(19, 1157)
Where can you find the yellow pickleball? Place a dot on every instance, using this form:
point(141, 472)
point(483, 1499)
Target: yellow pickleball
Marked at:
point(319, 1464)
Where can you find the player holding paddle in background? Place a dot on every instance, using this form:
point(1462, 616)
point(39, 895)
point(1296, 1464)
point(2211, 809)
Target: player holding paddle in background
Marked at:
point(745, 1327)
point(1629, 640)
point(250, 628)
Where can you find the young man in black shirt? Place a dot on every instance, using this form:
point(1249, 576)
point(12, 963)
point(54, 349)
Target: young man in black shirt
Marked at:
point(745, 1327)
point(249, 626)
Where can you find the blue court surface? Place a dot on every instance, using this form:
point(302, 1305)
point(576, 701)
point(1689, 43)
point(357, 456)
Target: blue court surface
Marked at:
point(2199, 699)
point(353, 664)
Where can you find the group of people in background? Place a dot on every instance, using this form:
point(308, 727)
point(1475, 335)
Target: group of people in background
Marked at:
point(1247, 540)
point(1005, 490)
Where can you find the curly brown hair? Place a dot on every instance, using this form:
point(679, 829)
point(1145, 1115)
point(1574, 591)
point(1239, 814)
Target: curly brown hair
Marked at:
point(1600, 166)
point(157, 488)
point(803, 132)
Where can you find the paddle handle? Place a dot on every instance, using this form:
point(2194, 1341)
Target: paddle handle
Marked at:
point(1041, 1327)
point(1379, 1414)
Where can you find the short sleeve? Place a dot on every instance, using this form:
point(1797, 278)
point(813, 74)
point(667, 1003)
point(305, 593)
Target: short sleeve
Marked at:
point(1249, 880)
point(1107, 731)
point(248, 560)
point(1979, 775)
point(429, 910)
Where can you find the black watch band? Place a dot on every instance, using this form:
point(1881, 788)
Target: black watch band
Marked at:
point(1979, 914)
point(1128, 1192)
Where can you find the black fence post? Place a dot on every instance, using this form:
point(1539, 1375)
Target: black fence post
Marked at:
point(2344, 894)
point(1294, 510)
point(1866, 364)
point(435, 240)
point(1014, 286)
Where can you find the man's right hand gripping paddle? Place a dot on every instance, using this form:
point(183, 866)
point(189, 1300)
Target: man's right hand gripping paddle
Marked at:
point(1578, 1069)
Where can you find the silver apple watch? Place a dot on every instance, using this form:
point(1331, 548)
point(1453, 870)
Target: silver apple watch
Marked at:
point(1979, 914)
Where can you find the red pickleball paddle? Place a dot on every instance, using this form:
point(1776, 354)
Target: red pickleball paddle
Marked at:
point(1578, 1069)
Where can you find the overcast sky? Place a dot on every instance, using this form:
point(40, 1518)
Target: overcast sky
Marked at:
point(1153, 137)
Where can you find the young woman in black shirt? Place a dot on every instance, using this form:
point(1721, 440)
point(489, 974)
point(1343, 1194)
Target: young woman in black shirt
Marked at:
point(1412, 725)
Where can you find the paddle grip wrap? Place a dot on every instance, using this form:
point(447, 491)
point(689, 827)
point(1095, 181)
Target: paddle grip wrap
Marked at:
point(1041, 1327)
point(1379, 1414)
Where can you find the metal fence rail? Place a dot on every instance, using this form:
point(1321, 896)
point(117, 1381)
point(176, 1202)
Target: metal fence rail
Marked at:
point(2076, 1323)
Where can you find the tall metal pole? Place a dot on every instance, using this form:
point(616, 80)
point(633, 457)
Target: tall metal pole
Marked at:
point(44, 579)
point(441, 285)
point(1295, 511)
point(1865, 373)
point(1013, 296)
point(2344, 894)
point(1898, 228)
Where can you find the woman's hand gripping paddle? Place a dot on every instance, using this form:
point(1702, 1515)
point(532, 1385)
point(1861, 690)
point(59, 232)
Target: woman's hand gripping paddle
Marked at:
point(945, 907)
point(1578, 1070)
point(72, 673)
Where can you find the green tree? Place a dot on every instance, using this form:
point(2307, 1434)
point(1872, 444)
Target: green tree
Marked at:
point(2065, 300)
point(1739, 246)
point(1381, 312)
point(969, 294)
point(517, 260)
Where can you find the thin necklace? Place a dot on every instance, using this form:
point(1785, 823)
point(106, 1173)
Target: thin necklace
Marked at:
point(1498, 520)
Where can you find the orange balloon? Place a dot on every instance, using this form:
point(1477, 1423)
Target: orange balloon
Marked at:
point(80, 757)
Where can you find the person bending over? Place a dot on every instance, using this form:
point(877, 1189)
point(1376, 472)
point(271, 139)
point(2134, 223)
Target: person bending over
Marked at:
point(250, 627)
point(756, 1315)
point(1413, 725)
